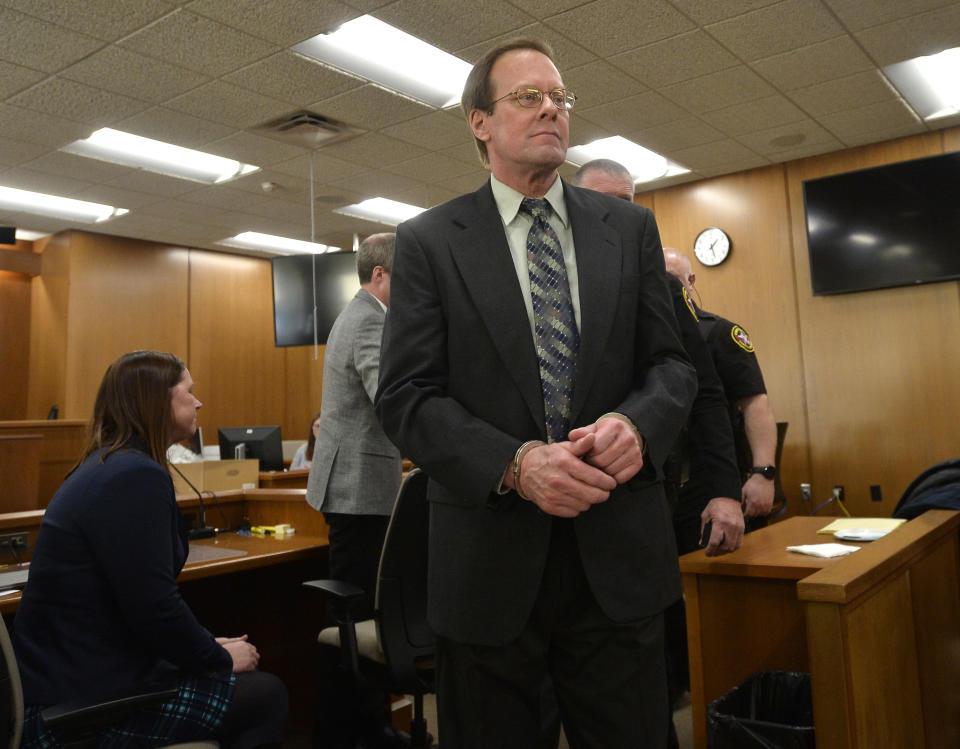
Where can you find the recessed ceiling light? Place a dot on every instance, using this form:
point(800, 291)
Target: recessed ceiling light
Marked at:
point(369, 48)
point(643, 164)
point(931, 84)
point(128, 149)
point(381, 210)
point(55, 206)
point(252, 240)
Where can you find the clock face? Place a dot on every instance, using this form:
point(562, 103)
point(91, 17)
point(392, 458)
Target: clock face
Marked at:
point(712, 246)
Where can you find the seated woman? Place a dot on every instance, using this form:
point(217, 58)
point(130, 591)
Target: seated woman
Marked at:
point(304, 454)
point(102, 614)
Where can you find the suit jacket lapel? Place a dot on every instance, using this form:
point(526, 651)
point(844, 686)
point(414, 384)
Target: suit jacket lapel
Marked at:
point(479, 248)
point(599, 262)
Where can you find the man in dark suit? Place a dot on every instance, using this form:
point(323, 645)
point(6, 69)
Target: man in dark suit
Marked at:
point(531, 365)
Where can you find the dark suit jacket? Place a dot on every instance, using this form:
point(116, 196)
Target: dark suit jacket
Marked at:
point(460, 391)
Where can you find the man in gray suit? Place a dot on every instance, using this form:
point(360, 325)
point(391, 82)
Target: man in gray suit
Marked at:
point(354, 478)
point(532, 366)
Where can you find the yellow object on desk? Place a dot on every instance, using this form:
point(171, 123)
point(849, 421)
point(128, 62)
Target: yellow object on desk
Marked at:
point(846, 524)
point(281, 530)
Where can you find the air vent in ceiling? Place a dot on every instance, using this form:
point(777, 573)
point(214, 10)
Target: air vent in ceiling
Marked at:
point(306, 129)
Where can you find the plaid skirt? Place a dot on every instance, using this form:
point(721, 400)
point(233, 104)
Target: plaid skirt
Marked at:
point(194, 714)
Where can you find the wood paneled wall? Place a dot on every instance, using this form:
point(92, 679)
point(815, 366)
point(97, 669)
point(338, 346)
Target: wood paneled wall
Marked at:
point(15, 339)
point(867, 381)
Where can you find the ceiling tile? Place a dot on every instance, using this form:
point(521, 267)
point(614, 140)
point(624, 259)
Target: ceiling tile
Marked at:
point(770, 111)
point(433, 167)
point(544, 8)
point(467, 182)
point(714, 154)
point(253, 149)
point(379, 183)
point(566, 52)
point(152, 183)
point(21, 124)
point(599, 82)
point(805, 151)
point(857, 15)
point(710, 11)
point(124, 72)
point(798, 23)
point(633, 113)
point(13, 152)
point(183, 211)
point(676, 59)
point(736, 165)
point(427, 196)
point(120, 197)
point(374, 150)
point(611, 26)
point(873, 136)
point(284, 22)
point(196, 42)
point(436, 130)
point(776, 140)
point(292, 188)
point(883, 116)
point(326, 169)
point(718, 90)
point(289, 77)
point(816, 63)
point(42, 46)
point(55, 184)
point(852, 91)
point(369, 107)
point(104, 19)
point(170, 126)
point(581, 131)
point(227, 104)
point(83, 102)
point(924, 34)
point(453, 24)
point(14, 78)
point(676, 135)
point(223, 197)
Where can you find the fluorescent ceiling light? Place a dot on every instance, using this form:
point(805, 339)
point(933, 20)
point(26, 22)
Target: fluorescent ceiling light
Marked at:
point(57, 207)
point(252, 240)
point(931, 84)
point(644, 165)
point(118, 147)
point(381, 210)
point(28, 235)
point(371, 49)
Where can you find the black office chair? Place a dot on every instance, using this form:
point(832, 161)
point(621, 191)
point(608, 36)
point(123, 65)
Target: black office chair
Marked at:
point(393, 651)
point(77, 723)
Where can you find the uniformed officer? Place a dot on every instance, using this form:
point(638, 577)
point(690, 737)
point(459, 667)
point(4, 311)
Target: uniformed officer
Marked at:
point(754, 427)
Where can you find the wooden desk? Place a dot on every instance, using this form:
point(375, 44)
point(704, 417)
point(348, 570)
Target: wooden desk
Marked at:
point(887, 615)
point(296, 479)
point(62, 442)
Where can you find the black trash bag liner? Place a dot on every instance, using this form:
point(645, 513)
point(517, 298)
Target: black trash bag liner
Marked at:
point(768, 710)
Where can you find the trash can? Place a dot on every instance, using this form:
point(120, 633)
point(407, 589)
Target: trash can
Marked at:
point(769, 710)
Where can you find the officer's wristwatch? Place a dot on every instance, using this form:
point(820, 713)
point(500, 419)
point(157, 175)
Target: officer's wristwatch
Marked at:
point(768, 472)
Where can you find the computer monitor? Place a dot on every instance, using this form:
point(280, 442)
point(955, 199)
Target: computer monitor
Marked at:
point(263, 443)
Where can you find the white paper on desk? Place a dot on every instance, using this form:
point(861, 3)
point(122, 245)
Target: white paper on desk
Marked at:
point(825, 550)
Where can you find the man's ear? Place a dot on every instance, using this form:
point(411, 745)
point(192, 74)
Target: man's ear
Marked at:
point(478, 123)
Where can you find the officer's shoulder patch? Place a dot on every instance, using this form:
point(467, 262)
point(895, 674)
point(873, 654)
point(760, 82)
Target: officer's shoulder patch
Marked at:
point(686, 300)
point(741, 338)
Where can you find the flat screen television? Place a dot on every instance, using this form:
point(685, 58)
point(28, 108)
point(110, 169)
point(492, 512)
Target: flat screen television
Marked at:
point(893, 225)
point(335, 275)
point(263, 443)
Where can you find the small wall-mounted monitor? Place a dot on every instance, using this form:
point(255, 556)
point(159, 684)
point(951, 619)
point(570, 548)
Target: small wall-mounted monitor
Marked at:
point(263, 443)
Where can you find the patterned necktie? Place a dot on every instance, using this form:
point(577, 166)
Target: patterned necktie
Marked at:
point(557, 337)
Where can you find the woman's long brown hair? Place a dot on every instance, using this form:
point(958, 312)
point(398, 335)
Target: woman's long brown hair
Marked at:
point(134, 402)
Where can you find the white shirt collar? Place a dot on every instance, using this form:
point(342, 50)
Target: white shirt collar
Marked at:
point(508, 200)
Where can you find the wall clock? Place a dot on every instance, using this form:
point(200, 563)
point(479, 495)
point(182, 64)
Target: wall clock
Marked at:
point(712, 246)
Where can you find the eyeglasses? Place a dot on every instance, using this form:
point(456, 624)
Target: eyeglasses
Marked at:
point(531, 98)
